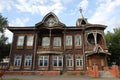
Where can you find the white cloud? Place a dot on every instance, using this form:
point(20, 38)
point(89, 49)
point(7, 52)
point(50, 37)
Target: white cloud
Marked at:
point(67, 1)
point(105, 13)
point(39, 6)
point(83, 4)
point(19, 22)
point(5, 5)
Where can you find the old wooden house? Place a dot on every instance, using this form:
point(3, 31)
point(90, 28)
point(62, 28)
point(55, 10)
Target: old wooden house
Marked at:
point(50, 45)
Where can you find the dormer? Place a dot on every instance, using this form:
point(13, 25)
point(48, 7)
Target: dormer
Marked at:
point(50, 21)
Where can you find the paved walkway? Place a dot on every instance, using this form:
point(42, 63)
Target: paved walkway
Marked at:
point(37, 77)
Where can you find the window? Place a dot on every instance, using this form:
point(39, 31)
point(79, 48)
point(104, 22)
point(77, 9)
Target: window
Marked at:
point(79, 61)
point(20, 41)
point(91, 38)
point(57, 42)
point(58, 61)
point(43, 61)
point(77, 40)
point(69, 61)
point(68, 40)
point(17, 61)
point(28, 61)
point(45, 41)
point(30, 40)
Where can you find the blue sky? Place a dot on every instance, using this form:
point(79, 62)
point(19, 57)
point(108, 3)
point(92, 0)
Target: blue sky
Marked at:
point(29, 12)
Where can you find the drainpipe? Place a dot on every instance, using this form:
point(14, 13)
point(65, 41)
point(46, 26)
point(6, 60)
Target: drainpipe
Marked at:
point(64, 68)
point(50, 38)
point(83, 45)
point(35, 47)
point(11, 53)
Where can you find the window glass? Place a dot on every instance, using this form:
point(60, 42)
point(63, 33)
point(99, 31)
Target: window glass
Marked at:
point(28, 61)
point(57, 61)
point(30, 40)
point(43, 61)
point(20, 41)
point(79, 61)
point(57, 42)
point(45, 41)
point(69, 61)
point(68, 40)
point(17, 61)
point(77, 40)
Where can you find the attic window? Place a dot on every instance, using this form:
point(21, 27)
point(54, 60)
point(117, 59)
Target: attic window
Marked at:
point(83, 22)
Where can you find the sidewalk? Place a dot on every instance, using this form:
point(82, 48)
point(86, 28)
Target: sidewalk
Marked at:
point(37, 77)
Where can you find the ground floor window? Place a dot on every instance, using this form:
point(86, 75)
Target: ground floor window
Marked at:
point(69, 61)
point(17, 61)
point(43, 61)
point(79, 61)
point(28, 61)
point(58, 61)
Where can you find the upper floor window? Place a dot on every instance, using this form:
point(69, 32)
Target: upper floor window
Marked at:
point(43, 61)
point(30, 40)
point(20, 41)
point(45, 42)
point(77, 40)
point(28, 61)
point(57, 42)
point(17, 61)
point(68, 40)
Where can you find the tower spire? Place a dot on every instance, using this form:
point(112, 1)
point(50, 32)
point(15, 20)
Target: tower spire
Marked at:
point(81, 15)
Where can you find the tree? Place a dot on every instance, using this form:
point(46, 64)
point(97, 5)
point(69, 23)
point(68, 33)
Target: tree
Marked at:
point(3, 26)
point(113, 42)
point(3, 39)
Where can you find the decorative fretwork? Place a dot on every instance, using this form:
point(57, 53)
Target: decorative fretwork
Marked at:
point(51, 22)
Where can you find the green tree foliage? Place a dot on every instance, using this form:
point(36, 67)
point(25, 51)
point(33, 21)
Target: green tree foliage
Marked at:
point(113, 42)
point(4, 48)
point(3, 26)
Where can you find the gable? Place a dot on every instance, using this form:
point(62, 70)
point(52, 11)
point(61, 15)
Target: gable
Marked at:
point(50, 20)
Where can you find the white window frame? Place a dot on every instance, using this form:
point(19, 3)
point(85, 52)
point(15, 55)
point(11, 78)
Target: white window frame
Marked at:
point(17, 61)
point(45, 41)
point(69, 61)
point(57, 41)
point(20, 41)
point(79, 61)
point(28, 61)
point(30, 40)
point(77, 40)
point(68, 40)
point(58, 59)
point(43, 61)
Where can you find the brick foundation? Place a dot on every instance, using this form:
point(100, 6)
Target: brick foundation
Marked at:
point(114, 70)
point(46, 73)
point(93, 71)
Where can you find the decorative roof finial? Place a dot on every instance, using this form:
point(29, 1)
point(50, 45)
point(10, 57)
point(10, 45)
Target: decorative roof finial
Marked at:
point(81, 15)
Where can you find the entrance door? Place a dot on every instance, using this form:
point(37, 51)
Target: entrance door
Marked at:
point(96, 60)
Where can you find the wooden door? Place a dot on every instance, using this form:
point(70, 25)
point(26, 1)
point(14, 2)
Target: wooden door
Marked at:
point(95, 60)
